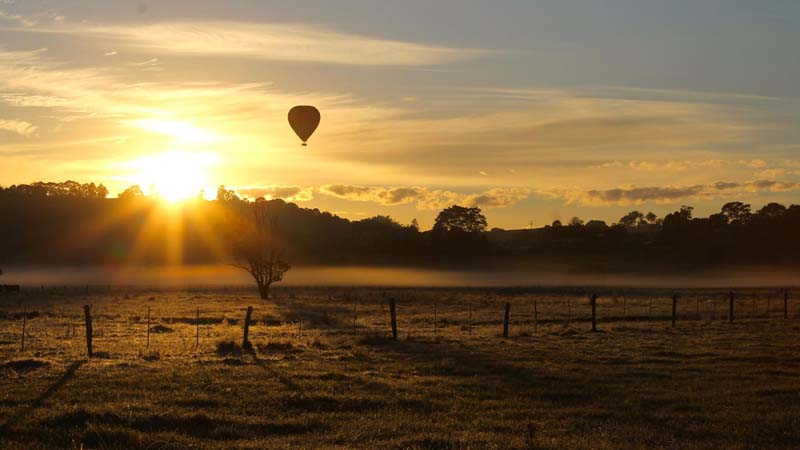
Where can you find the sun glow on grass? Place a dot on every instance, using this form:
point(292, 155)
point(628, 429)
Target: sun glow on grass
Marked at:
point(174, 176)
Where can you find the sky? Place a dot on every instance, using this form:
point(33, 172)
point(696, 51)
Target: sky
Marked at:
point(531, 110)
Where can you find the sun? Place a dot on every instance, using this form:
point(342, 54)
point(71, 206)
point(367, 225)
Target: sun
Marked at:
point(175, 176)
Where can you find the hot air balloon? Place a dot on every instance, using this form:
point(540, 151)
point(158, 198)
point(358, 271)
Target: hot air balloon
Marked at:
point(304, 120)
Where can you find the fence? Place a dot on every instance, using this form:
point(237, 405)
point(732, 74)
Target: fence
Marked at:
point(387, 315)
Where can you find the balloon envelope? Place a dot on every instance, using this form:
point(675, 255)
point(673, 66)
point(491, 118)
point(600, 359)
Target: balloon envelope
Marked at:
point(304, 120)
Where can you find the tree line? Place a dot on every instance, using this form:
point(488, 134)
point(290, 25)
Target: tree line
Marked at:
point(77, 224)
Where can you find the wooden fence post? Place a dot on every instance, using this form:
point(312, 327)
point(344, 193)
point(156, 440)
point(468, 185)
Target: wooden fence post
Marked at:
point(506, 318)
point(785, 303)
point(88, 316)
point(594, 312)
point(393, 317)
point(730, 307)
point(697, 307)
point(197, 328)
point(650, 307)
point(624, 310)
point(535, 316)
point(355, 315)
point(24, 323)
point(148, 328)
point(769, 304)
point(674, 309)
point(435, 331)
point(469, 326)
point(569, 311)
point(246, 340)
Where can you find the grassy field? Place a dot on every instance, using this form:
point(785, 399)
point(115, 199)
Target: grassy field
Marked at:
point(450, 381)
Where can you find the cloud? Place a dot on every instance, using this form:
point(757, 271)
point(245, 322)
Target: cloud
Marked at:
point(669, 194)
point(390, 196)
point(771, 186)
point(18, 18)
point(425, 198)
point(498, 197)
point(19, 127)
point(287, 193)
point(635, 196)
point(269, 41)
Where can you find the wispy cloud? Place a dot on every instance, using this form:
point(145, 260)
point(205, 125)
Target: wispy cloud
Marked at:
point(270, 41)
point(19, 127)
point(287, 193)
point(17, 18)
point(425, 198)
point(633, 195)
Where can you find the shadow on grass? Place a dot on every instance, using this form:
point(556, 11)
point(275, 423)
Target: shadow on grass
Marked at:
point(286, 381)
point(197, 425)
point(41, 399)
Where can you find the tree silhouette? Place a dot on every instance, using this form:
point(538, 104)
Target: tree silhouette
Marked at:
point(460, 219)
point(258, 248)
point(132, 192)
point(737, 213)
point(772, 211)
point(576, 222)
point(632, 219)
point(226, 195)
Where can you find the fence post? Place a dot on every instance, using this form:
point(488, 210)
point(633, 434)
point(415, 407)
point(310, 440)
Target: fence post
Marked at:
point(148, 327)
point(769, 305)
point(785, 303)
point(469, 329)
point(24, 323)
point(393, 318)
point(535, 316)
point(569, 311)
point(355, 315)
point(624, 310)
point(730, 307)
point(197, 329)
point(674, 309)
point(435, 330)
point(246, 340)
point(88, 316)
point(505, 320)
point(594, 312)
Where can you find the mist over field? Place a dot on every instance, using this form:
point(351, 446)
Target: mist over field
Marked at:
point(553, 276)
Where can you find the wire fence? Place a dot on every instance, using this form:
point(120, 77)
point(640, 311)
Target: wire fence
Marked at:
point(127, 322)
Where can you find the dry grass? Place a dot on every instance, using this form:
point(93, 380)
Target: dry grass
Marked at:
point(638, 383)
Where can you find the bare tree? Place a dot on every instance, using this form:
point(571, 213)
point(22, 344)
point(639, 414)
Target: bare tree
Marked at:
point(258, 248)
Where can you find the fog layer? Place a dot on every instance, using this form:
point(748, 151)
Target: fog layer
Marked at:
point(219, 275)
